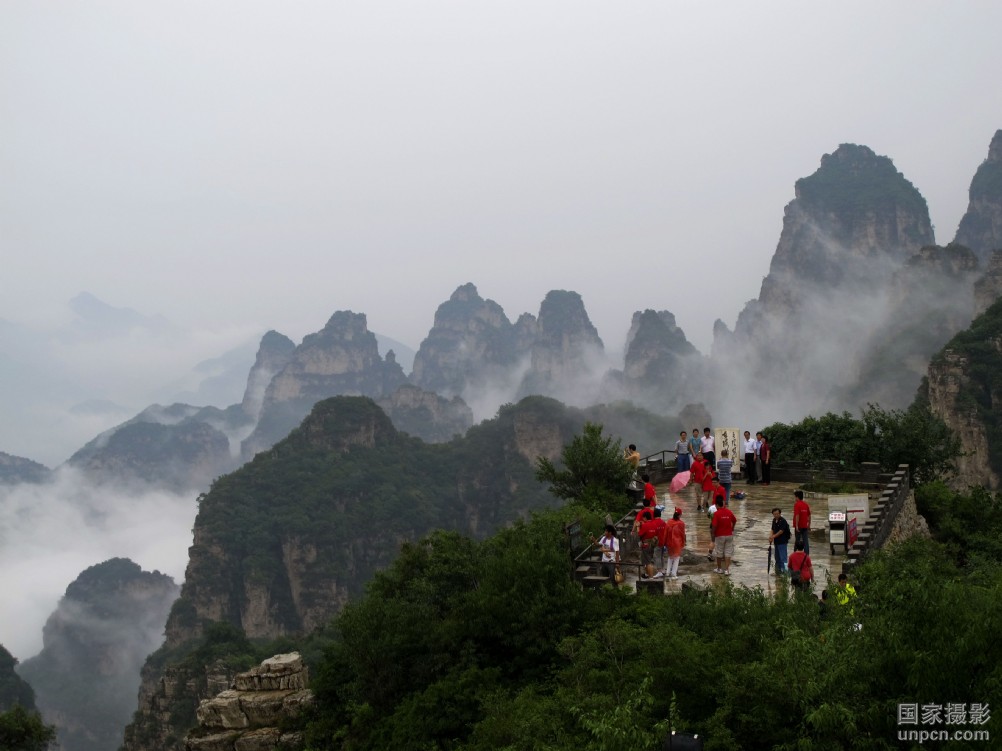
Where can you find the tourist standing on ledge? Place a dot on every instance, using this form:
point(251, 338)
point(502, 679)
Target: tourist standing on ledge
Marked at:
point(749, 450)
point(694, 444)
point(802, 521)
point(706, 447)
point(780, 538)
point(765, 457)
point(682, 453)
point(724, 468)
point(699, 471)
point(723, 524)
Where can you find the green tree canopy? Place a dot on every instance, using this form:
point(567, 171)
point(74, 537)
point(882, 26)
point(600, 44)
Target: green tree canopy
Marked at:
point(912, 436)
point(594, 473)
point(21, 730)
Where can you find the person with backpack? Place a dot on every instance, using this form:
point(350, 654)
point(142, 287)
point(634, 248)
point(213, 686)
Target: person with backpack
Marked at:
point(801, 569)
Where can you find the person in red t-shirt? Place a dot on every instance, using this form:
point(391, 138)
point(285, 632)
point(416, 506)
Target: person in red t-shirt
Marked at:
point(650, 494)
point(723, 523)
point(802, 521)
point(650, 535)
point(709, 478)
point(800, 566)
point(719, 493)
point(645, 514)
point(674, 541)
point(697, 472)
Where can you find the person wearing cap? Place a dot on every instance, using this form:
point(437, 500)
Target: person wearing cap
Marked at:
point(674, 542)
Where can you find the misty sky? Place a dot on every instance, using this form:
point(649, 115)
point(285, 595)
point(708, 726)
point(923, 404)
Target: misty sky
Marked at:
point(239, 166)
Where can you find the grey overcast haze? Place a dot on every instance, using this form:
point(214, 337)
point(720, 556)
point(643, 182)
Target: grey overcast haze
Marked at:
point(225, 168)
point(236, 167)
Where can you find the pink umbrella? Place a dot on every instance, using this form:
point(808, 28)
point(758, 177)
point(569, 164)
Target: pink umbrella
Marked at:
point(679, 481)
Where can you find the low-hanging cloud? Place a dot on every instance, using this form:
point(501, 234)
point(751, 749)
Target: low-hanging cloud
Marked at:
point(51, 532)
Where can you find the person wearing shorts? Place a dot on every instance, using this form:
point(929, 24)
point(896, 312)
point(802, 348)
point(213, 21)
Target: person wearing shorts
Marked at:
point(723, 524)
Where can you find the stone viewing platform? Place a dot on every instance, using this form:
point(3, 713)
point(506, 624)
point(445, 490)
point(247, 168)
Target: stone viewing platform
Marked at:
point(751, 541)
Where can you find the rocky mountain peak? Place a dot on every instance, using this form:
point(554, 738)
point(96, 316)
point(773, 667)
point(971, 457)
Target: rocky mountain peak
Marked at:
point(94, 645)
point(981, 226)
point(855, 206)
point(567, 355)
point(342, 358)
point(273, 354)
point(470, 343)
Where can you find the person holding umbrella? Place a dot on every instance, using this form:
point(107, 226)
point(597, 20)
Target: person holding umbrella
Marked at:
point(780, 537)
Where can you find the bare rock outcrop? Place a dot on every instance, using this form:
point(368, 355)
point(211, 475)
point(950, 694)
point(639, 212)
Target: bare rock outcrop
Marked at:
point(250, 714)
point(426, 415)
point(951, 391)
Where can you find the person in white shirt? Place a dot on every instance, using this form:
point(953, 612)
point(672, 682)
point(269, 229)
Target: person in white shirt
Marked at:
point(750, 450)
point(707, 448)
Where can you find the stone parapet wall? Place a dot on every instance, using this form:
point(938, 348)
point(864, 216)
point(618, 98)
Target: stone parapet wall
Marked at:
point(883, 517)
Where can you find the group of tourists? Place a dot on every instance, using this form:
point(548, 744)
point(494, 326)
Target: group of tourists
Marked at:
point(662, 540)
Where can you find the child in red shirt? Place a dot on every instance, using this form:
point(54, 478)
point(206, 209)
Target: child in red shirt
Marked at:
point(709, 478)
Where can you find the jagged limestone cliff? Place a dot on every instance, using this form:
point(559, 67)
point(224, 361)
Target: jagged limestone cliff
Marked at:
point(273, 355)
point(86, 676)
point(659, 362)
point(471, 345)
point(981, 226)
point(567, 356)
point(965, 391)
point(794, 350)
point(342, 358)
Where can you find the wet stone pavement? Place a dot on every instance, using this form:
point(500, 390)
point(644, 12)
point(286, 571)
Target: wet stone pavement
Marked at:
point(751, 539)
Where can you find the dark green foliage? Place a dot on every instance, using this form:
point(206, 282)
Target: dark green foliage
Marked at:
point(854, 181)
point(889, 437)
point(21, 730)
point(483, 646)
point(594, 474)
point(13, 689)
